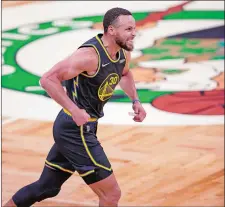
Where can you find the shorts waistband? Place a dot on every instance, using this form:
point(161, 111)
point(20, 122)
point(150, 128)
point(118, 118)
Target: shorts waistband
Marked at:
point(89, 120)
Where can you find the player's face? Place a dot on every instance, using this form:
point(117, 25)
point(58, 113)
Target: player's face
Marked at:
point(125, 32)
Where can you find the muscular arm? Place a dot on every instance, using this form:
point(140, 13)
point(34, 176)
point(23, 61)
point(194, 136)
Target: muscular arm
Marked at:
point(127, 82)
point(83, 59)
point(128, 86)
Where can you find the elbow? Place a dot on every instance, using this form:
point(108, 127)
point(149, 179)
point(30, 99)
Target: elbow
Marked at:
point(43, 81)
point(47, 80)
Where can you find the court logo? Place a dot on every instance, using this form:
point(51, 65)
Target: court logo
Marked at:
point(166, 63)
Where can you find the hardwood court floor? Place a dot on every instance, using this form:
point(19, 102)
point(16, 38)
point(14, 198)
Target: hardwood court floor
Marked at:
point(163, 166)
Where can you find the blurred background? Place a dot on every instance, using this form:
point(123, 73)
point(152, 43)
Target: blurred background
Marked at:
point(177, 62)
point(178, 67)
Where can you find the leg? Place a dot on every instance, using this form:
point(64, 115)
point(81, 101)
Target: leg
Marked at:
point(107, 190)
point(81, 147)
point(102, 181)
point(48, 185)
point(55, 173)
point(10, 203)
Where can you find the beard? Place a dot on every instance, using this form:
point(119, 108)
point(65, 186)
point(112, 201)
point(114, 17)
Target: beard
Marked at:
point(124, 45)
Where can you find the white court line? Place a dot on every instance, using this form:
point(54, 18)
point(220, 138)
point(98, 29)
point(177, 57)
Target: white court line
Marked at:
point(10, 120)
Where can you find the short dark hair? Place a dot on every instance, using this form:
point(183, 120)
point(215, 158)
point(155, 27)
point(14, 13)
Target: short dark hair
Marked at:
point(111, 15)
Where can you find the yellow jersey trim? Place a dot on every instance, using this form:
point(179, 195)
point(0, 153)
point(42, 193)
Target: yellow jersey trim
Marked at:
point(99, 62)
point(106, 52)
point(87, 173)
point(59, 167)
point(89, 153)
point(90, 119)
point(124, 54)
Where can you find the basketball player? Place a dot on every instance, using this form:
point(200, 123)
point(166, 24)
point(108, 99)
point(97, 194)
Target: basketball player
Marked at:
point(91, 73)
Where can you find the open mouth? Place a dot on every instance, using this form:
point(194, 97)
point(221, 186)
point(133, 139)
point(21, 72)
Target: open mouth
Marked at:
point(130, 41)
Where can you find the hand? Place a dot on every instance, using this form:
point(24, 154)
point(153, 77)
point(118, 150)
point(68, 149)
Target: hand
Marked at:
point(139, 111)
point(80, 117)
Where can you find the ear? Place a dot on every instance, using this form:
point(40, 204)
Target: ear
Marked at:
point(111, 30)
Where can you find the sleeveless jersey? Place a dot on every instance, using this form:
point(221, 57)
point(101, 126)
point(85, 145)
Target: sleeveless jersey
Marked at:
point(91, 92)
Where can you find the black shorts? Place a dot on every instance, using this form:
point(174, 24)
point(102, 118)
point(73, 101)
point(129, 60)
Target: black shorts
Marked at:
point(77, 148)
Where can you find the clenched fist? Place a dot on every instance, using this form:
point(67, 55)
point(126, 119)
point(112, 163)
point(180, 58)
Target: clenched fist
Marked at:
point(139, 111)
point(80, 117)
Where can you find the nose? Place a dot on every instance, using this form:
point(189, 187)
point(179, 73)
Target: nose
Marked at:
point(134, 33)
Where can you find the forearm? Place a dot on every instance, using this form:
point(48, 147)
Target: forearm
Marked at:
point(56, 91)
point(128, 86)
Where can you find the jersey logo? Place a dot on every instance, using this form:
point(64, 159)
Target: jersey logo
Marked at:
point(107, 87)
point(121, 61)
point(103, 65)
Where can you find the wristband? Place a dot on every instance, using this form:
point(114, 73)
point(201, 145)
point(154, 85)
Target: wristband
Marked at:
point(135, 100)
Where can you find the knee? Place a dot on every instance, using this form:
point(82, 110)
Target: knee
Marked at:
point(46, 192)
point(32, 193)
point(112, 197)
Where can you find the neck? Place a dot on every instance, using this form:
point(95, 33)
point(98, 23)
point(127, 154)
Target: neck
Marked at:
point(110, 45)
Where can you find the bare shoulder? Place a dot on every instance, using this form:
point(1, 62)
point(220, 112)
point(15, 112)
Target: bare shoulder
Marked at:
point(87, 58)
point(83, 59)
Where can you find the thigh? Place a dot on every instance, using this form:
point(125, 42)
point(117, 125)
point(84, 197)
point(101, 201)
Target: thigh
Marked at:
point(81, 147)
point(102, 167)
point(56, 161)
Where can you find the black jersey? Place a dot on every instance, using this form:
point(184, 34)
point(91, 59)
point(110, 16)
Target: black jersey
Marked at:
point(91, 92)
